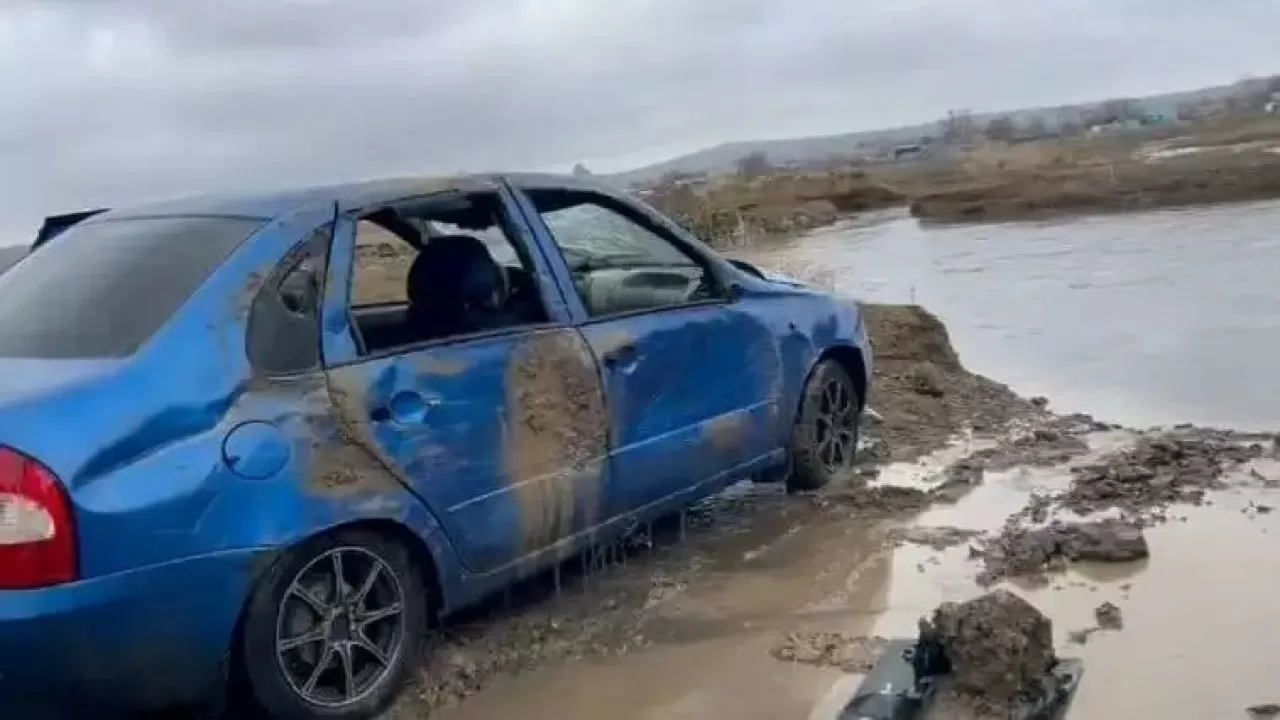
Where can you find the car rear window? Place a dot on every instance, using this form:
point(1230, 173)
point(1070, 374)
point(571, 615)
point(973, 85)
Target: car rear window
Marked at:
point(101, 289)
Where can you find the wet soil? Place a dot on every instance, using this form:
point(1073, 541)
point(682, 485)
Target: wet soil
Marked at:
point(830, 649)
point(760, 604)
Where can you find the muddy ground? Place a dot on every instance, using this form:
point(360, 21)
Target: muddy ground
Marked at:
point(763, 604)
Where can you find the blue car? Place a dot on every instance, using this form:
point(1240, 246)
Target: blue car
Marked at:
point(263, 442)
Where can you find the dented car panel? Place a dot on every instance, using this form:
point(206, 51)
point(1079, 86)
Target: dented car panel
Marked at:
point(191, 467)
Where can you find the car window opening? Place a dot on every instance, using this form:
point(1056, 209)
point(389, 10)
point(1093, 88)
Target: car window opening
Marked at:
point(428, 271)
point(621, 260)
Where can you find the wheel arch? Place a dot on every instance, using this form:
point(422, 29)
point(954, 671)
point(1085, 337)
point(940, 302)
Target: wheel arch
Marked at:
point(850, 359)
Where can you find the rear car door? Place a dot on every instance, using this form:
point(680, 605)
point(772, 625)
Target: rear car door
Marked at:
point(692, 378)
point(499, 427)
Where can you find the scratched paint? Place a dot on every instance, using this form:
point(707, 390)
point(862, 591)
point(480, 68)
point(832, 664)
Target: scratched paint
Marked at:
point(556, 436)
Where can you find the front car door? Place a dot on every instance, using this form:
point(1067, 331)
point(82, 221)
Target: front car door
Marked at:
point(499, 428)
point(693, 381)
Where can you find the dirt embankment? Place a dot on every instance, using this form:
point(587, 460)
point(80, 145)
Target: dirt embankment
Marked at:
point(736, 211)
point(1234, 160)
point(922, 394)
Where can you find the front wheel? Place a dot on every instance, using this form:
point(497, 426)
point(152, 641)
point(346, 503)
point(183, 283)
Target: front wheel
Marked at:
point(825, 438)
point(334, 628)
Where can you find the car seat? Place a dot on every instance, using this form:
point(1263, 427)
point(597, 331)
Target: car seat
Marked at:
point(454, 287)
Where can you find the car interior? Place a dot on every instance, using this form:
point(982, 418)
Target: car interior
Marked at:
point(454, 285)
point(466, 276)
point(620, 262)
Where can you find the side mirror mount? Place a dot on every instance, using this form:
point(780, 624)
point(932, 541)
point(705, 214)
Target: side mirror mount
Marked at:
point(736, 291)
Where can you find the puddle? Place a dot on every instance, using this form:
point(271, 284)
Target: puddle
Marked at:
point(1203, 602)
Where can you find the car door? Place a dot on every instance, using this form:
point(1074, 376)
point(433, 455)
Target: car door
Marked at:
point(692, 378)
point(501, 431)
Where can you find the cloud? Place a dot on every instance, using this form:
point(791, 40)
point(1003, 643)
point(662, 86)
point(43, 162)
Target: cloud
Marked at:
point(113, 101)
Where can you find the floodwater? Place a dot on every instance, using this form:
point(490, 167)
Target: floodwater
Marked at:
point(1139, 319)
point(1148, 319)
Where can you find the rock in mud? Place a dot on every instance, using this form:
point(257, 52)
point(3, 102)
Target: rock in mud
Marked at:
point(1108, 616)
point(1160, 470)
point(999, 645)
point(1029, 551)
point(830, 649)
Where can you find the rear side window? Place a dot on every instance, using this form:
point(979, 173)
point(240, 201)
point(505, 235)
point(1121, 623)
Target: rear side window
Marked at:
point(103, 288)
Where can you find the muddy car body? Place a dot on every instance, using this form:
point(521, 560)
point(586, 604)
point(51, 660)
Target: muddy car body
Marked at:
point(218, 464)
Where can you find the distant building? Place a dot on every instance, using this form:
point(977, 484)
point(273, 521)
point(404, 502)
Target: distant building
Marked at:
point(909, 151)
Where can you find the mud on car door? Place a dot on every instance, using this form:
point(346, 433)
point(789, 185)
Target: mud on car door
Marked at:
point(457, 372)
point(693, 380)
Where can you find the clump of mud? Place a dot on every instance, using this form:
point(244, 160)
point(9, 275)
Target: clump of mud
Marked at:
point(1023, 551)
point(1160, 470)
point(938, 538)
point(921, 392)
point(830, 649)
point(1041, 439)
point(1109, 616)
point(1000, 647)
point(879, 500)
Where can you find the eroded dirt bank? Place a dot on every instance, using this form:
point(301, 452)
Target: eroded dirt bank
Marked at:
point(761, 605)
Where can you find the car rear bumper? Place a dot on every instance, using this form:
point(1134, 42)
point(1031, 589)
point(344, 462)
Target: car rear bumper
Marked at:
point(109, 645)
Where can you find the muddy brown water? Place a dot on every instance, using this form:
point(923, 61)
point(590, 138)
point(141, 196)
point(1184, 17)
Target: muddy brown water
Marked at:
point(1141, 319)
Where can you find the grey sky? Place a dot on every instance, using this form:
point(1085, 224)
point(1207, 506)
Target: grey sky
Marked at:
point(112, 101)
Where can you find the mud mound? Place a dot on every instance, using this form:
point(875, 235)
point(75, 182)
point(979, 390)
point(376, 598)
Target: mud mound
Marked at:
point(1000, 646)
point(1020, 551)
point(1157, 472)
point(909, 333)
point(921, 391)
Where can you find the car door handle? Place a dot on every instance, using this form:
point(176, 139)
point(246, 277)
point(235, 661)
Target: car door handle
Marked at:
point(406, 406)
point(620, 356)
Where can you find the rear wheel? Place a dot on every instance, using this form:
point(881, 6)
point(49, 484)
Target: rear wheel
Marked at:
point(824, 440)
point(335, 628)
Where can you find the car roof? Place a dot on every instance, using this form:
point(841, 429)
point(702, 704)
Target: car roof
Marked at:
point(348, 196)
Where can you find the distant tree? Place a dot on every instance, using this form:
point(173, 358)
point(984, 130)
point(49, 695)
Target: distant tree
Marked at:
point(754, 164)
point(959, 126)
point(1035, 127)
point(581, 170)
point(1001, 128)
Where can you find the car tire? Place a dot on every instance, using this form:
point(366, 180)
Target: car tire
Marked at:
point(824, 440)
point(312, 647)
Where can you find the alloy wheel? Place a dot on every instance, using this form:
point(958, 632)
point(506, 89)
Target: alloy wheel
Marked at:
point(836, 426)
point(340, 627)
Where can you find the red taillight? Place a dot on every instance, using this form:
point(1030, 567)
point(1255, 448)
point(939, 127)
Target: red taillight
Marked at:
point(37, 536)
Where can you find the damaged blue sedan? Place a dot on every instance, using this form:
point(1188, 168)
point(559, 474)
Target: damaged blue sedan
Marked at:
point(264, 442)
